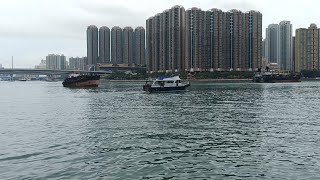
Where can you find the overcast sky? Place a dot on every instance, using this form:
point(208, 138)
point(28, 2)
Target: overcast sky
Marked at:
point(31, 29)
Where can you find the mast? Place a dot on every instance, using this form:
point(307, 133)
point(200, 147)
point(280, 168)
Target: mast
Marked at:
point(12, 68)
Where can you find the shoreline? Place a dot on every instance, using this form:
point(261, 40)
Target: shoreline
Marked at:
point(193, 80)
point(208, 80)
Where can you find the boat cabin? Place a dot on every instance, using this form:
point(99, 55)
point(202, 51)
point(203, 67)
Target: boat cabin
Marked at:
point(167, 82)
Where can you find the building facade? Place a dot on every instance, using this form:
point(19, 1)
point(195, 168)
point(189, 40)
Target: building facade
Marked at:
point(92, 44)
point(78, 63)
point(149, 44)
point(215, 40)
point(116, 45)
point(56, 62)
point(104, 45)
point(254, 40)
point(177, 30)
point(271, 44)
point(139, 46)
point(196, 40)
point(307, 47)
point(127, 45)
point(285, 61)
point(42, 65)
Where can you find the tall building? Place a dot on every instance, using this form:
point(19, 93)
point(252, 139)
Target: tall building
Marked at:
point(263, 49)
point(78, 63)
point(104, 45)
point(177, 30)
point(254, 41)
point(196, 40)
point(127, 45)
point(92, 44)
point(116, 45)
point(149, 44)
point(139, 46)
point(164, 41)
point(236, 55)
point(307, 47)
point(156, 42)
point(215, 40)
point(42, 65)
point(194, 49)
point(272, 43)
point(293, 53)
point(285, 46)
point(56, 62)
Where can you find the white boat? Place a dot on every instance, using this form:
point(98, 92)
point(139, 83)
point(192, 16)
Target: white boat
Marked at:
point(165, 84)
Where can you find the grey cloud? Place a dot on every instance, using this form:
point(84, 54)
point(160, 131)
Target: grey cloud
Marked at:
point(113, 14)
point(242, 5)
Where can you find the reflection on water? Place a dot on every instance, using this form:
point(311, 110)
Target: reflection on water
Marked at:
point(214, 130)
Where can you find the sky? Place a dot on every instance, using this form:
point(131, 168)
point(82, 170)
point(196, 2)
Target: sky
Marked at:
point(32, 29)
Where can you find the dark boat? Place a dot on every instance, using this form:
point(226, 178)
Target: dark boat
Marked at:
point(273, 77)
point(165, 84)
point(82, 81)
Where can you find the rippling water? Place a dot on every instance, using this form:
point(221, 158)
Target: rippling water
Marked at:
point(215, 130)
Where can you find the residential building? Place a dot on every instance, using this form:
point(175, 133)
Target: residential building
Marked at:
point(254, 42)
point(164, 41)
point(116, 45)
point(127, 45)
point(104, 45)
point(42, 65)
point(215, 40)
point(271, 44)
point(56, 62)
point(92, 45)
point(194, 39)
point(78, 63)
point(307, 47)
point(139, 46)
point(236, 46)
point(156, 42)
point(285, 46)
point(177, 30)
point(263, 50)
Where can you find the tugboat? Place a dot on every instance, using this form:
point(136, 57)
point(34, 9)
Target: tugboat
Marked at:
point(77, 80)
point(165, 84)
point(275, 77)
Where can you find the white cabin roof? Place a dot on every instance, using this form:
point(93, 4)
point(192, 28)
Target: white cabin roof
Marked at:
point(173, 78)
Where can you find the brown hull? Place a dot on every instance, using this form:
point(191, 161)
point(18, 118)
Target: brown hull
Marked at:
point(89, 83)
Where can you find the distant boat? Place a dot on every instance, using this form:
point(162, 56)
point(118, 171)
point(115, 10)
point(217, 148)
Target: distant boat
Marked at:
point(165, 84)
point(23, 79)
point(51, 80)
point(275, 77)
point(77, 80)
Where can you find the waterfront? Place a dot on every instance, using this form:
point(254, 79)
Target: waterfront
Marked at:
point(215, 130)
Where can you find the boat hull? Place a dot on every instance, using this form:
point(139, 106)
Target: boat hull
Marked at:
point(150, 89)
point(82, 81)
point(277, 78)
point(89, 83)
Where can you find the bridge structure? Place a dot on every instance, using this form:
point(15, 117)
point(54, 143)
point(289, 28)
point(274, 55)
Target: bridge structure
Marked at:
point(49, 72)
